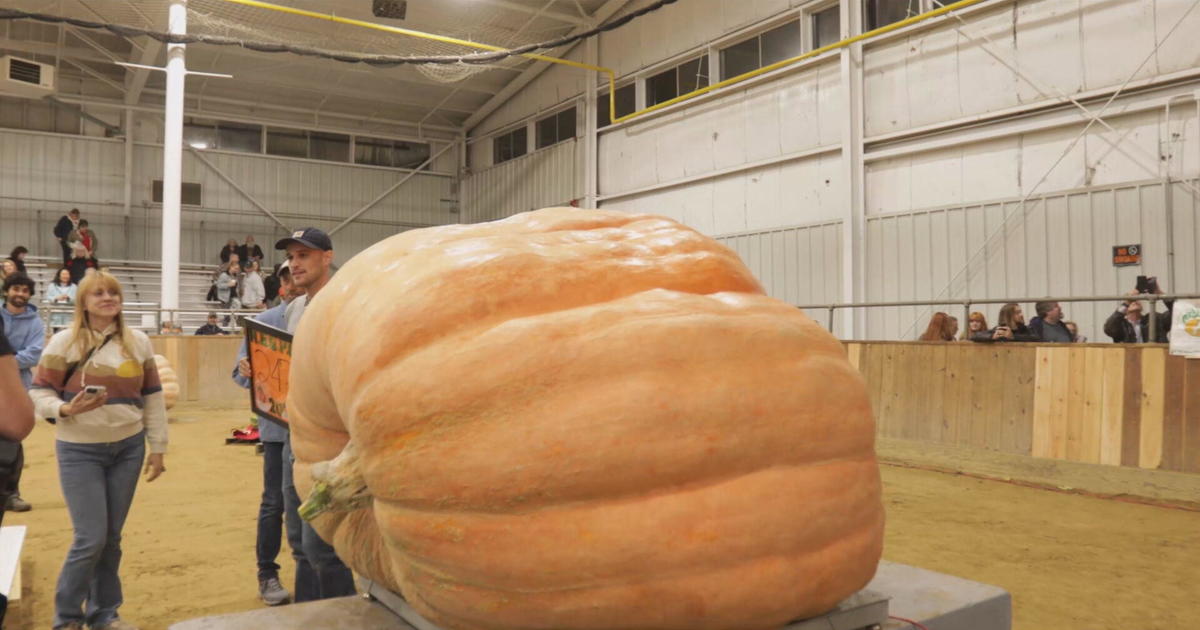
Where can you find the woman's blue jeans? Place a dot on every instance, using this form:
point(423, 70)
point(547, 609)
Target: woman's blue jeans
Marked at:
point(98, 482)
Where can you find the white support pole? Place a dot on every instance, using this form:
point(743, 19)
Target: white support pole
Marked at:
point(173, 159)
point(128, 161)
point(854, 217)
point(591, 155)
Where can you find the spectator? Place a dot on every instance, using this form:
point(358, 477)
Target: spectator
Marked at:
point(310, 258)
point(26, 335)
point(227, 286)
point(211, 328)
point(66, 226)
point(271, 512)
point(86, 238)
point(254, 294)
point(942, 327)
point(7, 268)
point(976, 323)
point(1010, 326)
point(60, 295)
point(250, 251)
point(18, 257)
point(1048, 326)
point(213, 292)
point(231, 248)
point(1129, 324)
point(102, 439)
point(1074, 328)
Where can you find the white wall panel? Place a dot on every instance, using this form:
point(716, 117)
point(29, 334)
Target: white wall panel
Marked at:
point(799, 265)
point(1132, 24)
point(1057, 245)
point(1049, 46)
point(932, 56)
point(41, 176)
point(1181, 51)
point(547, 177)
point(984, 83)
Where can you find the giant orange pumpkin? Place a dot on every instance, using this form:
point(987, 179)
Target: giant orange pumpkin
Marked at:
point(169, 379)
point(582, 419)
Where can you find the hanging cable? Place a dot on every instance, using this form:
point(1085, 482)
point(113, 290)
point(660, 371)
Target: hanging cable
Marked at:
point(346, 57)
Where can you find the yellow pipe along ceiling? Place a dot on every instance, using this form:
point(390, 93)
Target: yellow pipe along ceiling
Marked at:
point(612, 88)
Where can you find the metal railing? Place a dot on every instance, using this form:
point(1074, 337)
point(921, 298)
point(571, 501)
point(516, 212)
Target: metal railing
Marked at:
point(149, 316)
point(966, 304)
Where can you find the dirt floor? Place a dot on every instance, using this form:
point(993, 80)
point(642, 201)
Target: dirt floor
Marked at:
point(1070, 561)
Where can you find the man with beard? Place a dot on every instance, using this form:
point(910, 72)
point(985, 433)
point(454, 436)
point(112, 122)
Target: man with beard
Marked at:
point(27, 335)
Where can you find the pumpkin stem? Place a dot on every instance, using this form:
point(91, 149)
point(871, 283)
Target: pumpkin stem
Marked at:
point(338, 486)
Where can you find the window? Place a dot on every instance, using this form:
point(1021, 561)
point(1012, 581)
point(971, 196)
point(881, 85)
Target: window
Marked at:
point(189, 193)
point(394, 153)
point(511, 145)
point(556, 128)
point(626, 98)
point(287, 142)
point(233, 136)
point(780, 43)
point(201, 133)
point(826, 27)
point(686, 77)
point(880, 13)
point(331, 147)
point(314, 145)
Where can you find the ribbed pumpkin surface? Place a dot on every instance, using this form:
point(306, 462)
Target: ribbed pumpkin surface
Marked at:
point(586, 419)
point(170, 380)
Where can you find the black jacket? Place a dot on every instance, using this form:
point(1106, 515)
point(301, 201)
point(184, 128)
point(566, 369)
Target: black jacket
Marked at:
point(210, 329)
point(1037, 327)
point(1121, 329)
point(64, 227)
point(1020, 333)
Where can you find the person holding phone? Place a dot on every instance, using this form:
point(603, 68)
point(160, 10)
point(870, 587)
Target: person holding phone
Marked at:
point(1128, 324)
point(99, 380)
point(1010, 326)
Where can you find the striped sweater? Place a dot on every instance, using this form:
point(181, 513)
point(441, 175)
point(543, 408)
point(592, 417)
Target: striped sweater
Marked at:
point(135, 399)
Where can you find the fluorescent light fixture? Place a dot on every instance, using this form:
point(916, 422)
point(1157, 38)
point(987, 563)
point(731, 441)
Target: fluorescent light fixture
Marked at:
point(198, 145)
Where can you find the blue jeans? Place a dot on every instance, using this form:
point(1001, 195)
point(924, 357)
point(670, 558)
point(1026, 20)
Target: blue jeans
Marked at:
point(320, 573)
point(98, 482)
point(272, 516)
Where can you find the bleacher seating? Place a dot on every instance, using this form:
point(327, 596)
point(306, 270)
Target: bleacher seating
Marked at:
point(142, 283)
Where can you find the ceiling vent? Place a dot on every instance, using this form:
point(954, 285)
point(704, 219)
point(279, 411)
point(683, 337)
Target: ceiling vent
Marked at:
point(29, 79)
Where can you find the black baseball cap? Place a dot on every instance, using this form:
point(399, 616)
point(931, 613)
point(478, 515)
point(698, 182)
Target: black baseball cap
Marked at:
point(308, 237)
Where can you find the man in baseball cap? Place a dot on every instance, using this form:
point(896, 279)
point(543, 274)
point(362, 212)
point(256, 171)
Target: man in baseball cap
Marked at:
point(320, 574)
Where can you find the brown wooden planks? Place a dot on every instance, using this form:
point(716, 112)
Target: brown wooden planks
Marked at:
point(989, 419)
point(956, 391)
point(1093, 406)
point(1150, 450)
point(1060, 368)
point(935, 407)
point(1131, 413)
point(1113, 406)
point(1017, 431)
point(1172, 438)
point(1043, 386)
point(1075, 404)
point(1191, 416)
point(887, 389)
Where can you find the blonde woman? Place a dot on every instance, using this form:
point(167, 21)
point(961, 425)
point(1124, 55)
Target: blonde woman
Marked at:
point(98, 379)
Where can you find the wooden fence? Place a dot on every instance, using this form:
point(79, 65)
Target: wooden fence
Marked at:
point(1131, 405)
point(204, 365)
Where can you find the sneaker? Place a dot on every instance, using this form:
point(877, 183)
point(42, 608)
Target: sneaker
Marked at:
point(17, 504)
point(272, 592)
point(116, 624)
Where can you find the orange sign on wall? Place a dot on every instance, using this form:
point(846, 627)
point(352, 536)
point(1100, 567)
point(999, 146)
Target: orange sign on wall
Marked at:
point(270, 353)
point(1127, 255)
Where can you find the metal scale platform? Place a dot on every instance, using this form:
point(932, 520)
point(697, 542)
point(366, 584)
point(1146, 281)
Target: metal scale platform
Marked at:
point(935, 600)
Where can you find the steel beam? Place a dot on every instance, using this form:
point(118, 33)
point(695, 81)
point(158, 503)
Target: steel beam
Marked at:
point(599, 17)
point(392, 189)
point(241, 191)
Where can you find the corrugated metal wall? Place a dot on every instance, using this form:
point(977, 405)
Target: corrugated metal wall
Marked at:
point(547, 177)
point(799, 265)
point(41, 176)
point(1056, 245)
